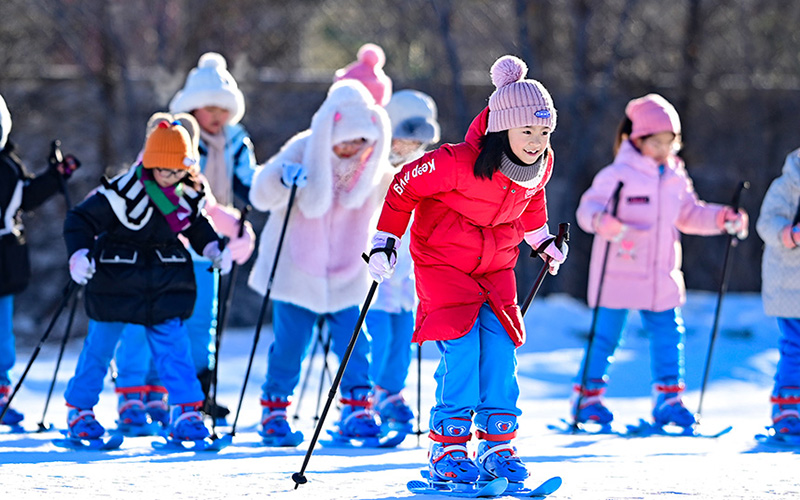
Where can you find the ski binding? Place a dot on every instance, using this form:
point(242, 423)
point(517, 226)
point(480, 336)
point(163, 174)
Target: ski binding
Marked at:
point(773, 438)
point(113, 442)
point(645, 429)
point(289, 440)
point(493, 488)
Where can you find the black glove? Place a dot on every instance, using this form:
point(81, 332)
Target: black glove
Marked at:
point(64, 165)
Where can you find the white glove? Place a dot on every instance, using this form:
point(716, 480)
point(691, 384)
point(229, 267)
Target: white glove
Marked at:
point(381, 267)
point(81, 269)
point(544, 244)
point(221, 260)
point(294, 173)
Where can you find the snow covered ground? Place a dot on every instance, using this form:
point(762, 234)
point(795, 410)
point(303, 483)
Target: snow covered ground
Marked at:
point(593, 467)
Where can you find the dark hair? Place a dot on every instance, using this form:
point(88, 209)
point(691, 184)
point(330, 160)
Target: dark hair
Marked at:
point(493, 145)
point(623, 133)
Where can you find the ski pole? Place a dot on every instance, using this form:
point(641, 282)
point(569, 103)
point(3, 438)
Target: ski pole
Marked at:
point(56, 157)
point(317, 340)
point(70, 289)
point(325, 350)
point(563, 235)
point(419, 392)
point(723, 285)
point(298, 477)
point(42, 426)
point(223, 307)
point(585, 368)
point(264, 304)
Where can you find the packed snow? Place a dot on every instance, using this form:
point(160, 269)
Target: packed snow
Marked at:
point(733, 466)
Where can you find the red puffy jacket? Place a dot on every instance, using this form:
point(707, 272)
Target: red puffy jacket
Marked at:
point(464, 236)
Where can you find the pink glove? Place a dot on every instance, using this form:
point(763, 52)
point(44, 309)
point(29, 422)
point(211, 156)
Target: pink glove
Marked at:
point(544, 244)
point(609, 227)
point(81, 269)
point(735, 223)
point(381, 266)
point(790, 236)
point(242, 248)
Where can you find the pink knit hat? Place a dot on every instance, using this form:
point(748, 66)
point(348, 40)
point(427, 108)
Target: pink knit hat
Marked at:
point(518, 102)
point(368, 69)
point(652, 114)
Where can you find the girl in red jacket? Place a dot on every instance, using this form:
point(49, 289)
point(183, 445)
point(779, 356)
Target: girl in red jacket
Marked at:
point(474, 202)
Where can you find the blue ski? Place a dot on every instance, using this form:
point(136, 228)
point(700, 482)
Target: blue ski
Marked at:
point(546, 488)
point(390, 440)
point(592, 428)
point(772, 438)
point(645, 429)
point(292, 439)
point(113, 442)
point(207, 444)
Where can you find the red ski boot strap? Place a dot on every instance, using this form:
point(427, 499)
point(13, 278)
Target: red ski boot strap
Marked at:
point(785, 400)
point(156, 388)
point(364, 403)
point(589, 392)
point(274, 404)
point(132, 389)
point(672, 389)
point(495, 437)
point(440, 438)
point(4, 390)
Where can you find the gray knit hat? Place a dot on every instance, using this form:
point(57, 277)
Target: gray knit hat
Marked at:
point(518, 102)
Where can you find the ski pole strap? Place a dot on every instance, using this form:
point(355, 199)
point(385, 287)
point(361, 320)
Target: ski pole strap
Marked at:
point(388, 250)
point(441, 438)
point(495, 437)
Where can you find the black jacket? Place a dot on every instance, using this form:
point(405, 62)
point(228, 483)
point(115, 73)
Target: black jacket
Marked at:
point(143, 276)
point(19, 191)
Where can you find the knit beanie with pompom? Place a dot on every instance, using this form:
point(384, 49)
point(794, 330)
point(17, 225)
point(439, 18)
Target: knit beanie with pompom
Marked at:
point(210, 84)
point(368, 69)
point(652, 114)
point(169, 145)
point(518, 102)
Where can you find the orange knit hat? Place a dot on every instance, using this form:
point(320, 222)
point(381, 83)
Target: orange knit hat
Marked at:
point(168, 146)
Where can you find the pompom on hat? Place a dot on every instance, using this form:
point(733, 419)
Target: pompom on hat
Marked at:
point(210, 84)
point(368, 69)
point(518, 102)
point(414, 116)
point(169, 145)
point(652, 114)
point(5, 123)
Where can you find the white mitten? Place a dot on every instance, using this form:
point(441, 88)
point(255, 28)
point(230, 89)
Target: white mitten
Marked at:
point(220, 259)
point(383, 256)
point(81, 269)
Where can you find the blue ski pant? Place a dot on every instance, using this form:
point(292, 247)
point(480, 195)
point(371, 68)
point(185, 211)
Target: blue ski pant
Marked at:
point(667, 335)
point(7, 352)
point(391, 348)
point(170, 347)
point(293, 328)
point(135, 365)
point(476, 373)
point(787, 374)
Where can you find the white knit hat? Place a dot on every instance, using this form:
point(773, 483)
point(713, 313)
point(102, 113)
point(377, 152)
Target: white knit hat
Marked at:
point(5, 123)
point(210, 84)
point(413, 115)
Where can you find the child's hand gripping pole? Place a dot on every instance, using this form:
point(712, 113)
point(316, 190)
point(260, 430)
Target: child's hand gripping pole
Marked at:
point(561, 238)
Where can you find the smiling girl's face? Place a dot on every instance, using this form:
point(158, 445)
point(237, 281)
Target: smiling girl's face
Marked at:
point(528, 143)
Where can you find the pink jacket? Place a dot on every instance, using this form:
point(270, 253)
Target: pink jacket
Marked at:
point(644, 268)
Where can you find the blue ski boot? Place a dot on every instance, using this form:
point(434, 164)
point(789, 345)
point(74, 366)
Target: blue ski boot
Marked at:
point(12, 416)
point(131, 408)
point(156, 405)
point(591, 408)
point(275, 428)
point(357, 419)
point(186, 423)
point(785, 415)
point(448, 459)
point(83, 425)
point(496, 457)
point(393, 410)
point(668, 407)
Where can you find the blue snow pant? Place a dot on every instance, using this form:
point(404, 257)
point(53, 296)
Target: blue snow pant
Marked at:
point(667, 335)
point(477, 373)
point(293, 328)
point(135, 365)
point(391, 348)
point(170, 347)
point(787, 374)
point(7, 353)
